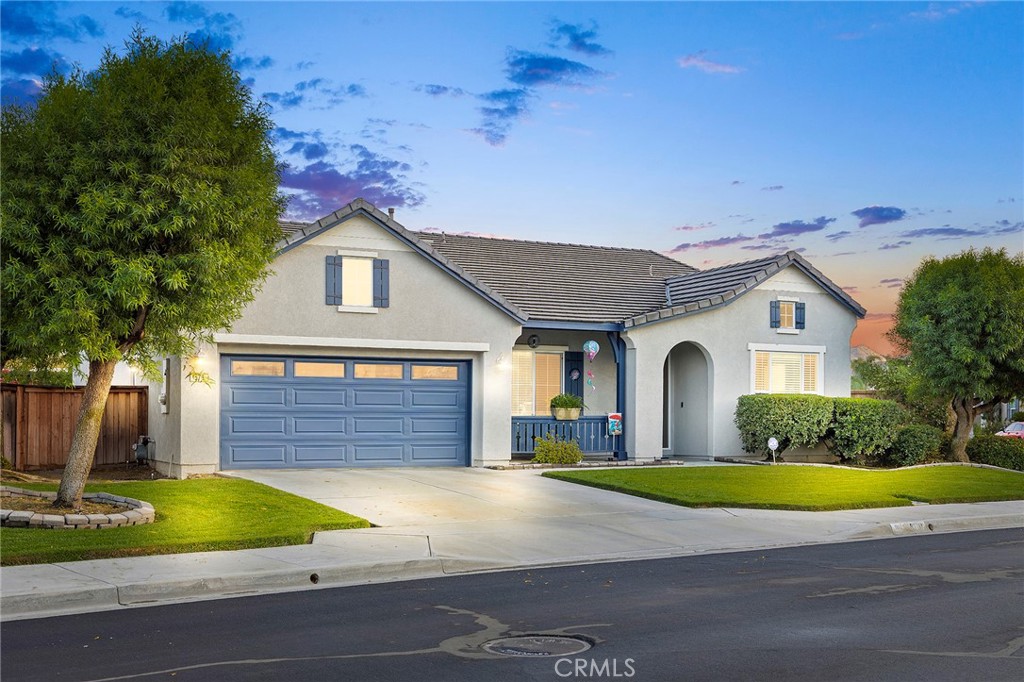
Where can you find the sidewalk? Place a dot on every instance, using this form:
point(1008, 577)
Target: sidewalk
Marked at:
point(637, 529)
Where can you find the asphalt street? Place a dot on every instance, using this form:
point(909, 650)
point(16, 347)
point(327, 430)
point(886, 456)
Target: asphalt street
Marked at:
point(936, 607)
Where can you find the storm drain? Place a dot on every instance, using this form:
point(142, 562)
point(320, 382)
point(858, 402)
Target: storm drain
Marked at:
point(538, 645)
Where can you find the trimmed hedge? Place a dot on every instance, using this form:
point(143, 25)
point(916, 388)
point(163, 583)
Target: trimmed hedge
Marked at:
point(863, 427)
point(853, 428)
point(999, 451)
point(914, 444)
point(550, 450)
point(795, 420)
point(1017, 416)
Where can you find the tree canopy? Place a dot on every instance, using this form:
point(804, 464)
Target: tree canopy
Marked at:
point(961, 319)
point(140, 209)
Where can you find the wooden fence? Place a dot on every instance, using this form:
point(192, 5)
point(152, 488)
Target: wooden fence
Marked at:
point(39, 423)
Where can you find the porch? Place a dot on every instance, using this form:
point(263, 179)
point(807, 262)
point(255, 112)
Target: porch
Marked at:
point(591, 432)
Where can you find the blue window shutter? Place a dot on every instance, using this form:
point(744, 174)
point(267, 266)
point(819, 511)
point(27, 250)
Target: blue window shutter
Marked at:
point(381, 283)
point(333, 281)
point(775, 315)
point(801, 315)
point(573, 360)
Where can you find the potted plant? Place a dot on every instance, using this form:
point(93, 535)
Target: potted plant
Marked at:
point(566, 406)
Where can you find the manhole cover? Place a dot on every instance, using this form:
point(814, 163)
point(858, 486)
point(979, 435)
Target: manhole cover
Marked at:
point(537, 645)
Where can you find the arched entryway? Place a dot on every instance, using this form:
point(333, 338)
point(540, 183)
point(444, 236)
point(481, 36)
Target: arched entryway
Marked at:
point(688, 389)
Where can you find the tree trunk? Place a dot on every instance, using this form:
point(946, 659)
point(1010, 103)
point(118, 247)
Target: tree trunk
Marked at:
point(965, 414)
point(87, 433)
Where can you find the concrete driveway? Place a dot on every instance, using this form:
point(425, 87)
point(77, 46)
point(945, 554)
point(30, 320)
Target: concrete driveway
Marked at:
point(474, 518)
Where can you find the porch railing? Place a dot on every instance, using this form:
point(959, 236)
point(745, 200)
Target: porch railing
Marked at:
point(590, 432)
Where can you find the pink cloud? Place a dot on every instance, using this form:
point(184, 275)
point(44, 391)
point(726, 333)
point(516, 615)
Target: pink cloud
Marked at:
point(698, 61)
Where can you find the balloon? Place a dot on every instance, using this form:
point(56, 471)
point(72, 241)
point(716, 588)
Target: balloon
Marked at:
point(591, 348)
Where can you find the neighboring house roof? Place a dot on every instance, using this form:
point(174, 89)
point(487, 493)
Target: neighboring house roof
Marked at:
point(575, 283)
point(565, 282)
point(705, 289)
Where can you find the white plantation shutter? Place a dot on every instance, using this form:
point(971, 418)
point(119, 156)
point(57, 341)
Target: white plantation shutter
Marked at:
point(811, 373)
point(761, 371)
point(522, 383)
point(549, 381)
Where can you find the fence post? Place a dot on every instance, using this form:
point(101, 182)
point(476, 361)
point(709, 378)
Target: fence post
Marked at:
point(20, 431)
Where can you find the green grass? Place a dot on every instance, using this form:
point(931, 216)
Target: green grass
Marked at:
point(803, 488)
point(196, 515)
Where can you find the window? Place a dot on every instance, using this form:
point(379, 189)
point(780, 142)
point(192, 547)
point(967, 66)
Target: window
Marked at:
point(378, 371)
point(357, 283)
point(329, 370)
point(787, 372)
point(536, 379)
point(435, 372)
point(788, 316)
point(257, 368)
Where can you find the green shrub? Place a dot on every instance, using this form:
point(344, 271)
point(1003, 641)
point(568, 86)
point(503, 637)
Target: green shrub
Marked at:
point(795, 420)
point(1017, 416)
point(914, 444)
point(863, 427)
point(567, 400)
point(999, 451)
point(5, 463)
point(551, 450)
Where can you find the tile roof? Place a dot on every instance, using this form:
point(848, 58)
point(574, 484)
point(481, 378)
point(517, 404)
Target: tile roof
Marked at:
point(567, 282)
point(705, 289)
point(574, 282)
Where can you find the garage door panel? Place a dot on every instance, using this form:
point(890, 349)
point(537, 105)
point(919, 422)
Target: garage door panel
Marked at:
point(377, 453)
point(319, 396)
point(327, 454)
point(376, 418)
point(259, 453)
point(256, 424)
point(437, 425)
point(426, 399)
point(370, 426)
point(253, 395)
point(452, 454)
point(315, 425)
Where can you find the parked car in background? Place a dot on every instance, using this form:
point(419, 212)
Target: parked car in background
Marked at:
point(1013, 430)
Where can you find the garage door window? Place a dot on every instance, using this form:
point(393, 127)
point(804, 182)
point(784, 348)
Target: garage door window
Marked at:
point(257, 368)
point(435, 372)
point(327, 370)
point(376, 371)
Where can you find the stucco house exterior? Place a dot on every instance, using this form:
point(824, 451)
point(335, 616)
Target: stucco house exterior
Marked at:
point(372, 345)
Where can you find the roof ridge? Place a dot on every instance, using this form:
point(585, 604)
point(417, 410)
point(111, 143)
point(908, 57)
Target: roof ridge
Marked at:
point(546, 243)
point(766, 261)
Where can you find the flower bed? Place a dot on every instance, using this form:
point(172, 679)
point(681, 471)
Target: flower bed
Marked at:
point(136, 512)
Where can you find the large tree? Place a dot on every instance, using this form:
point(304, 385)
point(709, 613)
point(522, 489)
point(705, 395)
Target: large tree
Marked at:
point(961, 319)
point(140, 205)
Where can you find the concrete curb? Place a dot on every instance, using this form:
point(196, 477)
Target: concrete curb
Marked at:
point(947, 525)
point(90, 593)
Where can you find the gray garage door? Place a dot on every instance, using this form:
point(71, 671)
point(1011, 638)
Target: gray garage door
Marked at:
point(282, 412)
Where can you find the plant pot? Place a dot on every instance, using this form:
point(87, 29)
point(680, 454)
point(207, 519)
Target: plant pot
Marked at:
point(565, 414)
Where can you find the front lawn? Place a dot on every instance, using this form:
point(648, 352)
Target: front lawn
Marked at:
point(195, 515)
point(802, 487)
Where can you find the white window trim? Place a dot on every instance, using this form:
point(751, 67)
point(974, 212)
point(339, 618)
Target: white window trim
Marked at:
point(542, 349)
point(357, 253)
point(358, 309)
point(787, 348)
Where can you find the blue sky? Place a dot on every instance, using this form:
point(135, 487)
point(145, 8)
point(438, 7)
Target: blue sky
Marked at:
point(866, 134)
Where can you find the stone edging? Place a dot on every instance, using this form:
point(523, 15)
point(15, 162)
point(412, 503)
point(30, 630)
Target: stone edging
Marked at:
point(136, 512)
